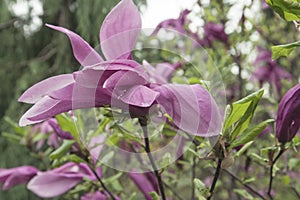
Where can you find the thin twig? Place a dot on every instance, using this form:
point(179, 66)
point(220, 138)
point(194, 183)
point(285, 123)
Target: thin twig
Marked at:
point(244, 184)
point(271, 171)
point(8, 23)
point(296, 192)
point(216, 176)
point(143, 123)
point(193, 175)
point(102, 184)
point(173, 191)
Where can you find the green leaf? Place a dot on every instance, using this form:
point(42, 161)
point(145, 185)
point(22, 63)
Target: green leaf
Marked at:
point(12, 137)
point(240, 115)
point(154, 196)
point(284, 49)
point(68, 125)
point(249, 134)
point(201, 190)
point(62, 150)
point(287, 9)
point(243, 149)
point(15, 126)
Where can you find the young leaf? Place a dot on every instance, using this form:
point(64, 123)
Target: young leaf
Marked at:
point(68, 125)
point(287, 9)
point(284, 49)
point(241, 114)
point(62, 150)
point(250, 134)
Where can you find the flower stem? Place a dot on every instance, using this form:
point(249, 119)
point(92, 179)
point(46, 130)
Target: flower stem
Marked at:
point(143, 123)
point(271, 171)
point(102, 184)
point(217, 173)
point(173, 191)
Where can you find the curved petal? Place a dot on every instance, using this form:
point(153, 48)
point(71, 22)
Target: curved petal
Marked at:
point(15, 176)
point(143, 184)
point(50, 184)
point(183, 102)
point(139, 95)
point(65, 99)
point(82, 51)
point(120, 30)
point(124, 79)
point(45, 108)
point(45, 87)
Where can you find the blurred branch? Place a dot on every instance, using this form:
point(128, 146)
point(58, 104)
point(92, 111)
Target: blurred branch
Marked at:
point(41, 58)
point(245, 185)
point(7, 24)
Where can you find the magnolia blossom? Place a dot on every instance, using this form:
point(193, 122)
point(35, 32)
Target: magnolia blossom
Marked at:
point(58, 181)
point(119, 81)
point(269, 71)
point(145, 182)
point(178, 24)
point(288, 115)
point(15, 176)
point(213, 32)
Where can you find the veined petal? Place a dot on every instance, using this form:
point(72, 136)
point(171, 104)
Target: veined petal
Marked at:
point(82, 51)
point(45, 108)
point(120, 30)
point(71, 97)
point(183, 102)
point(124, 79)
point(45, 87)
point(139, 95)
point(50, 184)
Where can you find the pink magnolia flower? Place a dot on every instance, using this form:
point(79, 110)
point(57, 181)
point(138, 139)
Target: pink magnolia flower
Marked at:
point(288, 115)
point(15, 176)
point(58, 181)
point(269, 71)
point(119, 81)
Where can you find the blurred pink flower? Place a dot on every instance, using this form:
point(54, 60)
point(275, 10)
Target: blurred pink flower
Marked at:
point(269, 71)
point(15, 176)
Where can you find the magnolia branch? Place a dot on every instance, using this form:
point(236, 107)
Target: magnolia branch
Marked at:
point(102, 184)
point(143, 123)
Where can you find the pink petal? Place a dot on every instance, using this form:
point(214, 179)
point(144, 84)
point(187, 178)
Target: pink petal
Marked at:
point(120, 30)
point(15, 176)
point(65, 99)
point(186, 102)
point(47, 107)
point(43, 88)
point(140, 96)
point(50, 184)
point(143, 184)
point(82, 51)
